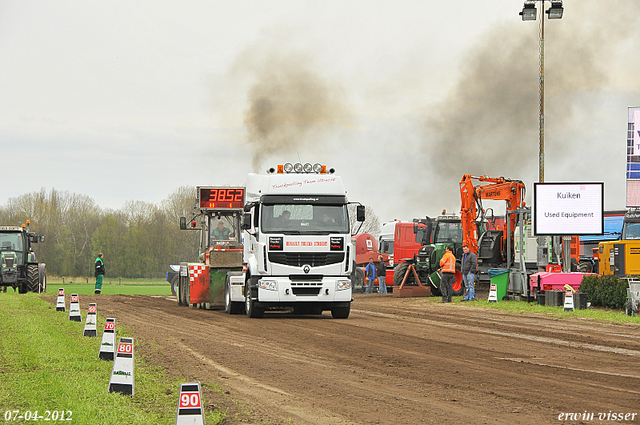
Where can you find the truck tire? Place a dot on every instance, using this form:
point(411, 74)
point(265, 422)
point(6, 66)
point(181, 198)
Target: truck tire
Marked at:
point(231, 307)
point(341, 312)
point(357, 280)
point(174, 284)
point(628, 308)
point(252, 311)
point(585, 266)
point(42, 276)
point(33, 280)
point(182, 293)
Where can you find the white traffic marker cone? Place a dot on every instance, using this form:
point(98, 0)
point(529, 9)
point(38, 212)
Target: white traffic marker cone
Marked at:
point(74, 308)
point(60, 302)
point(190, 405)
point(568, 301)
point(493, 293)
point(108, 340)
point(91, 321)
point(122, 374)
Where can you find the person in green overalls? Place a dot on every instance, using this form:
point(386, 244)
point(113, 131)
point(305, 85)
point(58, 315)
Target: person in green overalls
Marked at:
point(99, 273)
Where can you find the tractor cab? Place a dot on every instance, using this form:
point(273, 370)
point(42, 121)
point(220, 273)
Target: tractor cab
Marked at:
point(18, 266)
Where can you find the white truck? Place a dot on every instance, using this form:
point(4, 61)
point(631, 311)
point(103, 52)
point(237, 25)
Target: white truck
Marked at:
point(297, 242)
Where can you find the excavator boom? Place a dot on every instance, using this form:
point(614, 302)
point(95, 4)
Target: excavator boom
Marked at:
point(471, 196)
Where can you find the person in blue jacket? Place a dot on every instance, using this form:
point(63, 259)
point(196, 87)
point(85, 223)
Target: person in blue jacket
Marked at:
point(370, 274)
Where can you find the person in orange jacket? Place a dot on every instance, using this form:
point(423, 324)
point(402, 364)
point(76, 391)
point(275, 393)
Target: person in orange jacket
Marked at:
point(448, 268)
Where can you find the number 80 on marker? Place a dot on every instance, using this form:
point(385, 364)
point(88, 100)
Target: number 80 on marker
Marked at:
point(189, 400)
point(125, 348)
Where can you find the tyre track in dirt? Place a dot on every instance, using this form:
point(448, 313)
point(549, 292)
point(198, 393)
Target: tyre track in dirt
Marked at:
point(393, 361)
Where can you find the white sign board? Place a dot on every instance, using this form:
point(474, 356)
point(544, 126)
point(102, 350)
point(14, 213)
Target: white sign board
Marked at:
point(568, 208)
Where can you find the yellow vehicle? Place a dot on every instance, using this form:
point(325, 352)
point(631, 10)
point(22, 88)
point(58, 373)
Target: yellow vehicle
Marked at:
point(622, 257)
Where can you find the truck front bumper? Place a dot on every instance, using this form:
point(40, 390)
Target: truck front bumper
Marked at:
point(284, 291)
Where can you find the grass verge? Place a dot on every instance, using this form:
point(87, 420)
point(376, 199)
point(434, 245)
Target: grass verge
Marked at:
point(522, 307)
point(47, 365)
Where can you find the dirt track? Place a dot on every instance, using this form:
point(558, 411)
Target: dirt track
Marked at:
point(394, 361)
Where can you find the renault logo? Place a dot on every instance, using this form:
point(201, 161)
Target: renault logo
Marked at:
point(306, 268)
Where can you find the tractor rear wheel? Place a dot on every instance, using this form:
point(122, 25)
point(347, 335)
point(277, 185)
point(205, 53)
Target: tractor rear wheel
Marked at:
point(398, 274)
point(32, 278)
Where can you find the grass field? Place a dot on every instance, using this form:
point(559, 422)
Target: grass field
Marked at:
point(80, 286)
point(46, 364)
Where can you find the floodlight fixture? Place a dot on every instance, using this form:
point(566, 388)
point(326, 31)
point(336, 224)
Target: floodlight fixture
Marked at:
point(556, 10)
point(529, 11)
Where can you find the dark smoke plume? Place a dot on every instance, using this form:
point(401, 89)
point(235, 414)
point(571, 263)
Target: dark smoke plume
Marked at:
point(290, 105)
point(489, 124)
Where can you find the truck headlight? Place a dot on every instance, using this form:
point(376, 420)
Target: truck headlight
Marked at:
point(269, 285)
point(342, 285)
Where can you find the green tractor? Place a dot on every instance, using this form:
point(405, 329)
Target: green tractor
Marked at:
point(18, 265)
point(435, 236)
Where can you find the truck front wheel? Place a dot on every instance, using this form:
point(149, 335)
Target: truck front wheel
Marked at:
point(341, 312)
point(252, 310)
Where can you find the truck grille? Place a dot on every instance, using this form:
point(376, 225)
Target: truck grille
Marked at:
point(314, 259)
point(307, 288)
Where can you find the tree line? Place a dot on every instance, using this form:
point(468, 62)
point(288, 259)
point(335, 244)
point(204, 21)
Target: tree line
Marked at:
point(140, 240)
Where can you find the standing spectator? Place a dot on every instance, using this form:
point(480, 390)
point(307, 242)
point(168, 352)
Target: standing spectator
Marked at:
point(99, 273)
point(382, 274)
point(370, 273)
point(448, 268)
point(469, 267)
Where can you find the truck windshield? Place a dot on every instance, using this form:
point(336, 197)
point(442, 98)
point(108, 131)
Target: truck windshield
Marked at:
point(631, 231)
point(449, 232)
point(304, 218)
point(11, 241)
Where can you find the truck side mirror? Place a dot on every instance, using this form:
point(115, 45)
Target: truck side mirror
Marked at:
point(41, 238)
point(246, 221)
point(183, 223)
point(360, 213)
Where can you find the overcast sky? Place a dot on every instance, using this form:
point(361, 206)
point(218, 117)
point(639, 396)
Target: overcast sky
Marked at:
point(131, 100)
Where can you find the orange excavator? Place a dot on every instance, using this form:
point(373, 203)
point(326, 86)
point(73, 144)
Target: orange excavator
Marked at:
point(472, 212)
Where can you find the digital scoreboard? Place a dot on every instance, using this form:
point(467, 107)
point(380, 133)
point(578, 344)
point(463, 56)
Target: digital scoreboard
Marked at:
point(218, 197)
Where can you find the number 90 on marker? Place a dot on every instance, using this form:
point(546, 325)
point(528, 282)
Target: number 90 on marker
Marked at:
point(189, 400)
